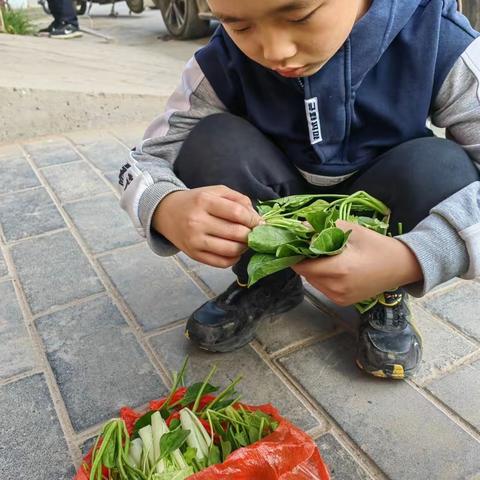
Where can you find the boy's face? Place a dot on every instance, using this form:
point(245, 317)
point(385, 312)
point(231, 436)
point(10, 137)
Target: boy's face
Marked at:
point(293, 37)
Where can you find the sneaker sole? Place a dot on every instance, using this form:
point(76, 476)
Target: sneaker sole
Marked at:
point(238, 341)
point(393, 372)
point(67, 37)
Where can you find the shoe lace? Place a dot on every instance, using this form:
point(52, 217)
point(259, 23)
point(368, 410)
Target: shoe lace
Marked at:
point(385, 316)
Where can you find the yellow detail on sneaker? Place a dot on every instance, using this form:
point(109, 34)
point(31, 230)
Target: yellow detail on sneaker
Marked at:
point(398, 371)
point(187, 334)
point(383, 301)
point(378, 373)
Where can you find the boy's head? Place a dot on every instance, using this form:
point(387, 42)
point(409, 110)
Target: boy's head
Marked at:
point(293, 37)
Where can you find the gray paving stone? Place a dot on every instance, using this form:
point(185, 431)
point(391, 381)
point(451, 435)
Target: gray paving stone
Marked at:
point(7, 151)
point(259, 384)
point(347, 316)
point(32, 446)
point(17, 175)
point(106, 153)
point(53, 271)
point(87, 445)
point(303, 322)
point(112, 177)
point(28, 213)
point(217, 279)
point(155, 288)
point(442, 346)
point(460, 390)
point(131, 135)
point(102, 223)
point(3, 266)
point(73, 181)
point(340, 463)
point(16, 352)
point(97, 362)
point(395, 425)
point(53, 151)
point(460, 306)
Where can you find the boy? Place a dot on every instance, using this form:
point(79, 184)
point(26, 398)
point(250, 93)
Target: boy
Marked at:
point(301, 96)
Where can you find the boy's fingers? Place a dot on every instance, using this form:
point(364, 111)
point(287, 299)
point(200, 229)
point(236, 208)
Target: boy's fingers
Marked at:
point(233, 212)
point(224, 229)
point(221, 247)
point(216, 260)
point(235, 196)
point(318, 267)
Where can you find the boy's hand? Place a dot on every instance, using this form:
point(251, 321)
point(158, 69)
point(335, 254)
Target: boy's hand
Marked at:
point(209, 224)
point(370, 264)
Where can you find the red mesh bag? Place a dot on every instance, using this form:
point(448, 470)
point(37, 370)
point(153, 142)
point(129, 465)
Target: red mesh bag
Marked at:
point(286, 454)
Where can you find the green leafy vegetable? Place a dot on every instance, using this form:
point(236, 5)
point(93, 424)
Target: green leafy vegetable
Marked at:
point(261, 265)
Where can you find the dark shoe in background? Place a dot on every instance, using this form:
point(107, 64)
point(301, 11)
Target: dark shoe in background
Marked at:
point(229, 321)
point(45, 32)
point(65, 32)
point(389, 345)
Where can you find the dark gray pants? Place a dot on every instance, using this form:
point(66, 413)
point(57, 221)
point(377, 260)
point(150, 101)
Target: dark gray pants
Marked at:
point(63, 11)
point(411, 178)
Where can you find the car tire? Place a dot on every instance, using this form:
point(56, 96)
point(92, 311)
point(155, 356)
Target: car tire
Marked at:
point(80, 7)
point(471, 9)
point(182, 20)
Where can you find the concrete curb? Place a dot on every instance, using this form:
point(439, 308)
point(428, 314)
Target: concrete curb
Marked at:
point(26, 113)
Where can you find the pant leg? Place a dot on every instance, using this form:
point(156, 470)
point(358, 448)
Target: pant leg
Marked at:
point(55, 11)
point(227, 150)
point(67, 12)
point(415, 176)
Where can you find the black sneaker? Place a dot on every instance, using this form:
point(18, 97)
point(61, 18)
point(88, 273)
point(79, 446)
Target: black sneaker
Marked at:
point(389, 345)
point(65, 31)
point(228, 321)
point(44, 32)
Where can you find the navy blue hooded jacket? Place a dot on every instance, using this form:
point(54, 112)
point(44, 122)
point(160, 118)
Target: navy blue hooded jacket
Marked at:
point(375, 93)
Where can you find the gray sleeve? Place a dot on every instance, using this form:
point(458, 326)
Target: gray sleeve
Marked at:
point(447, 242)
point(148, 177)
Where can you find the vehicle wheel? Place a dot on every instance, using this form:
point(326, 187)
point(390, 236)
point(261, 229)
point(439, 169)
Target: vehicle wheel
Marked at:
point(471, 9)
point(136, 6)
point(181, 19)
point(81, 7)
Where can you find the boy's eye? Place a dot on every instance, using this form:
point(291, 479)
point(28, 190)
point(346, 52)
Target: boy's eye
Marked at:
point(305, 18)
point(240, 30)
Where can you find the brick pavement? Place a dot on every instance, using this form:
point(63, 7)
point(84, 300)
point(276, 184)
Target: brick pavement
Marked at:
point(91, 320)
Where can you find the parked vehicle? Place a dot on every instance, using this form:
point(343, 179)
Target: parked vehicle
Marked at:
point(186, 19)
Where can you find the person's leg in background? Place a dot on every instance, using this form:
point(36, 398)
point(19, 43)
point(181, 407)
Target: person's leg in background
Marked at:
point(241, 158)
point(56, 14)
point(411, 179)
point(66, 21)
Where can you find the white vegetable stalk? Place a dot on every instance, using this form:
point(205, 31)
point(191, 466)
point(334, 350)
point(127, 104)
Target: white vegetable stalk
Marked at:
point(147, 439)
point(159, 428)
point(135, 452)
point(198, 437)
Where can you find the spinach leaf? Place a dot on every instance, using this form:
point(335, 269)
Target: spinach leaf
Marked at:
point(266, 238)
point(214, 455)
point(330, 241)
point(170, 441)
point(261, 265)
point(143, 421)
point(318, 219)
point(298, 247)
point(193, 391)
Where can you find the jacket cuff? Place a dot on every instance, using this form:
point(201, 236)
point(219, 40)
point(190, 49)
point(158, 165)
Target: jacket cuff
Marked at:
point(440, 251)
point(149, 201)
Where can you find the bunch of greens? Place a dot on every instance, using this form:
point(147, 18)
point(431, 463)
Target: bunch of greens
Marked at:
point(303, 226)
point(191, 430)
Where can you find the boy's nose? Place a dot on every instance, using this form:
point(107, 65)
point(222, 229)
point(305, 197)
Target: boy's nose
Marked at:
point(278, 48)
